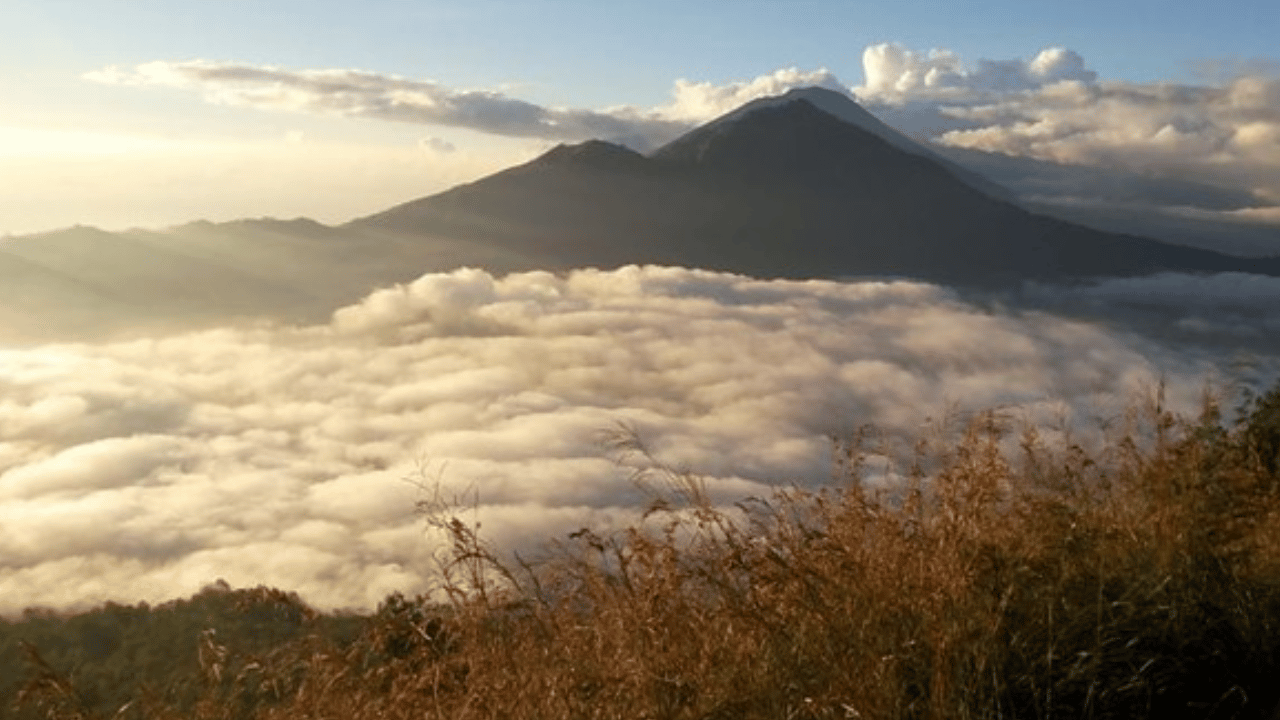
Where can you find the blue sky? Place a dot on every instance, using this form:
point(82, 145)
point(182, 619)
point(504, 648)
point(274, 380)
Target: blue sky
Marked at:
point(616, 51)
point(552, 53)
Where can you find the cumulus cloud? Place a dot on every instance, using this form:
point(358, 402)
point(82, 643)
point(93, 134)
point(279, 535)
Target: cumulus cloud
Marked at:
point(1053, 107)
point(892, 71)
point(145, 469)
point(1208, 132)
point(698, 102)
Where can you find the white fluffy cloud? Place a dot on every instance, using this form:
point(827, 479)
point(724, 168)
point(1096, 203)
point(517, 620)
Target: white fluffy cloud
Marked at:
point(698, 102)
point(146, 469)
point(1052, 107)
point(893, 72)
point(1229, 134)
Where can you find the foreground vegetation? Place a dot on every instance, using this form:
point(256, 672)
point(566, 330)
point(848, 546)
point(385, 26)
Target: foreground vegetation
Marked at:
point(1014, 573)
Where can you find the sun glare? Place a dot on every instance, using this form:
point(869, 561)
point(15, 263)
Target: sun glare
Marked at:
point(28, 142)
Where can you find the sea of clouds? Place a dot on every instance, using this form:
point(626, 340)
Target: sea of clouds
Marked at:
point(293, 456)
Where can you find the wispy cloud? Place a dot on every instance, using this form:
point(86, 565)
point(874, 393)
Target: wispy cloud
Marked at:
point(361, 94)
point(894, 72)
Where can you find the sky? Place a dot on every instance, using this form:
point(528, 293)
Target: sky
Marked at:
point(292, 453)
point(120, 113)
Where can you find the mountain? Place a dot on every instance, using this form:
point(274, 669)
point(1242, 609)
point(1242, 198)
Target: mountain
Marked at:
point(843, 107)
point(778, 188)
point(83, 283)
point(804, 185)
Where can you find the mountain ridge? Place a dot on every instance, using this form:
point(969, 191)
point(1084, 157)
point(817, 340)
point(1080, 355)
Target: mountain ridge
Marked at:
point(784, 189)
point(845, 108)
point(778, 189)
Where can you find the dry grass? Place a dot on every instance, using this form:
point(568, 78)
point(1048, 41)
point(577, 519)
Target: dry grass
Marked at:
point(1011, 576)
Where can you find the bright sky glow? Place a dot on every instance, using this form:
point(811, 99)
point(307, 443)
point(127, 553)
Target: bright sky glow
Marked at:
point(35, 142)
point(103, 122)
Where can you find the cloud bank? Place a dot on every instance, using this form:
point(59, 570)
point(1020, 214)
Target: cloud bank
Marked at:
point(143, 470)
point(1052, 107)
point(1211, 311)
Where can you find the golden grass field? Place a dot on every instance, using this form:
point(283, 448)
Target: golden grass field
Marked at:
point(1014, 572)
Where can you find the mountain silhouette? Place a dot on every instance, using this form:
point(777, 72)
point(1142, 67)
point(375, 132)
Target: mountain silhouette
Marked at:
point(781, 188)
point(841, 106)
point(805, 185)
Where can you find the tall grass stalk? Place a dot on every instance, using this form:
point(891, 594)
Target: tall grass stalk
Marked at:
point(1011, 573)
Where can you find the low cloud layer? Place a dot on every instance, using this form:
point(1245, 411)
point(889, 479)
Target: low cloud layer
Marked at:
point(146, 469)
point(1209, 311)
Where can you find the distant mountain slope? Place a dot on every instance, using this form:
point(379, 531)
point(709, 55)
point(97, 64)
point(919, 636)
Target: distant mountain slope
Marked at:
point(86, 284)
point(83, 283)
point(782, 189)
